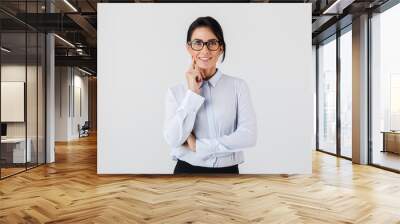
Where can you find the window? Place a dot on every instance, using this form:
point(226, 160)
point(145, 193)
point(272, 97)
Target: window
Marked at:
point(327, 96)
point(346, 94)
point(385, 89)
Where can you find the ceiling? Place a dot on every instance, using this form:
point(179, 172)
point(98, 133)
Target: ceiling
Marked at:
point(76, 22)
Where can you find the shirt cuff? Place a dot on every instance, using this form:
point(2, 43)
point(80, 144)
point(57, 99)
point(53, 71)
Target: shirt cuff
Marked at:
point(192, 102)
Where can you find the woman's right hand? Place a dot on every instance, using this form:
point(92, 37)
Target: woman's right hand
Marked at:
point(190, 142)
point(194, 77)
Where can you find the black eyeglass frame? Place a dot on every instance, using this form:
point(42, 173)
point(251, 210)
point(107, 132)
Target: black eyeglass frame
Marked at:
point(205, 43)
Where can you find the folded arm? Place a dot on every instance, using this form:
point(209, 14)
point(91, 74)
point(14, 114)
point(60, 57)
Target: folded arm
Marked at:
point(180, 118)
point(244, 136)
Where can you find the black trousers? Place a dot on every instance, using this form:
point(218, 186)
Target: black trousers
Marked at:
point(183, 167)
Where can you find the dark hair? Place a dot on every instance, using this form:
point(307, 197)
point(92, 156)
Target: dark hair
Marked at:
point(214, 26)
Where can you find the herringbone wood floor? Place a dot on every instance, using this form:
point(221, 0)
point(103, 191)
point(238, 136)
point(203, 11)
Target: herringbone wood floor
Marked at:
point(70, 191)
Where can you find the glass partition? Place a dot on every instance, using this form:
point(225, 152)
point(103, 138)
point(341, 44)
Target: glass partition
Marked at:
point(13, 105)
point(22, 77)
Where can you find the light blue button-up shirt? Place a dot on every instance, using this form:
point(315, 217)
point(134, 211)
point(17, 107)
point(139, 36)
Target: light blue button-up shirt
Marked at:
point(222, 118)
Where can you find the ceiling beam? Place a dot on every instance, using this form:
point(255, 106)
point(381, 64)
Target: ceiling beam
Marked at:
point(83, 61)
point(86, 26)
point(337, 6)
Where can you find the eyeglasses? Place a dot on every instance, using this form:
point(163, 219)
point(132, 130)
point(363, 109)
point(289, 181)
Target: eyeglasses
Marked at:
point(198, 45)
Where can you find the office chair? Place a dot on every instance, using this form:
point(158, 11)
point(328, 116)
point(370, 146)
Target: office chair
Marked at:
point(84, 130)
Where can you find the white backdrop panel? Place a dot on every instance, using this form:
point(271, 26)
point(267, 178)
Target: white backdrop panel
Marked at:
point(141, 52)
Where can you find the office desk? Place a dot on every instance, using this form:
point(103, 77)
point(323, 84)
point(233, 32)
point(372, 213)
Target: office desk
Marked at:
point(13, 150)
point(391, 141)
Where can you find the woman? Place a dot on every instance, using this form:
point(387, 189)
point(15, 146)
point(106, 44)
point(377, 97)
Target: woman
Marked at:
point(210, 120)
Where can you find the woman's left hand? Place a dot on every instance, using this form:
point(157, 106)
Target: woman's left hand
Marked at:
point(191, 141)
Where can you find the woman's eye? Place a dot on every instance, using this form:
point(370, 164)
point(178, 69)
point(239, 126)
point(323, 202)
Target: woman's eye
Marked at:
point(198, 43)
point(213, 43)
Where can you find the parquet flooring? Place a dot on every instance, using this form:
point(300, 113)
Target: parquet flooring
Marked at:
point(70, 191)
point(10, 171)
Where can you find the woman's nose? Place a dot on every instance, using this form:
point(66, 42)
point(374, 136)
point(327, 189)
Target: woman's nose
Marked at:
point(205, 49)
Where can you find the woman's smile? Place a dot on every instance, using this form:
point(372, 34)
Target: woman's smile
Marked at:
point(205, 59)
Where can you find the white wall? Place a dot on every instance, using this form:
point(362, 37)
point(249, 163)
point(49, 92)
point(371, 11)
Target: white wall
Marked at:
point(80, 84)
point(61, 103)
point(68, 81)
point(141, 52)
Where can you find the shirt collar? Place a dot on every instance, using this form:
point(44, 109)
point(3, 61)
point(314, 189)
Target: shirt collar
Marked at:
point(213, 80)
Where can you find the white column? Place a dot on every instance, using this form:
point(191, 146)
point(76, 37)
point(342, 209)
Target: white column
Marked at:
point(360, 90)
point(50, 93)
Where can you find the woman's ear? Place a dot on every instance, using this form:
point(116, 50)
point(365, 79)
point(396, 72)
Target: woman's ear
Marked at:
point(187, 47)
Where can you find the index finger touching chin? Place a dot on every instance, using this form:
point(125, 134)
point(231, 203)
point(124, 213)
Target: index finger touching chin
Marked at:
point(193, 63)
